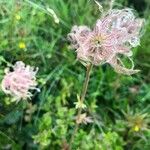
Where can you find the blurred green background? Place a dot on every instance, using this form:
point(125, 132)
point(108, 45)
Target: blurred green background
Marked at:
point(118, 104)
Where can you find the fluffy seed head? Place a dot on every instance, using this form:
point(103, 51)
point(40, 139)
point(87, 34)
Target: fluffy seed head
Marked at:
point(116, 33)
point(18, 82)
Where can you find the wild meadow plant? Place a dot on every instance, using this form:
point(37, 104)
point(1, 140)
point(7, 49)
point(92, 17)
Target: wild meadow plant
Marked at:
point(111, 39)
point(109, 42)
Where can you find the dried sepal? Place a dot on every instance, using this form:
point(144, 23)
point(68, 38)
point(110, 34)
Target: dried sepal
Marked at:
point(83, 118)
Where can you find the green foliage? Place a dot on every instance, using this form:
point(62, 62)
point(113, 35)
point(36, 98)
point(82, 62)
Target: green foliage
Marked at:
point(111, 141)
point(118, 105)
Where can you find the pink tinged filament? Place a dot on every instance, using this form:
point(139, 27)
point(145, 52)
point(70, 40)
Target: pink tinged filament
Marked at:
point(20, 81)
point(113, 35)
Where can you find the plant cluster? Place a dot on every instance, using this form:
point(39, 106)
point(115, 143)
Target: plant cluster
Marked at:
point(43, 102)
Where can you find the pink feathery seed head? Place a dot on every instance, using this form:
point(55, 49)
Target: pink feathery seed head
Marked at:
point(78, 35)
point(19, 81)
point(125, 21)
point(115, 33)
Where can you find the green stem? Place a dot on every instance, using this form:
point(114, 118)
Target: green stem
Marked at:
point(84, 90)
point(111, 4)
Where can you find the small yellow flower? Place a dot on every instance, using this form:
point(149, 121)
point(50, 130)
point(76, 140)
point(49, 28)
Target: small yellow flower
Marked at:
point(136, 128)
point(18, 17)
point(22, 45)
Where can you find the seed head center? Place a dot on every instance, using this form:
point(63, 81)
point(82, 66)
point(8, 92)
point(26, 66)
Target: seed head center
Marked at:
point(97, 41)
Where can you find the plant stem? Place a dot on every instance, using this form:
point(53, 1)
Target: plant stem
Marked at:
point(84, 90)
point(111, 4)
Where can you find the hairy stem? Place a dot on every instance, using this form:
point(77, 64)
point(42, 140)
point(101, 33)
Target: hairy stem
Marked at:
point(84, 90)
point(111, 4)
